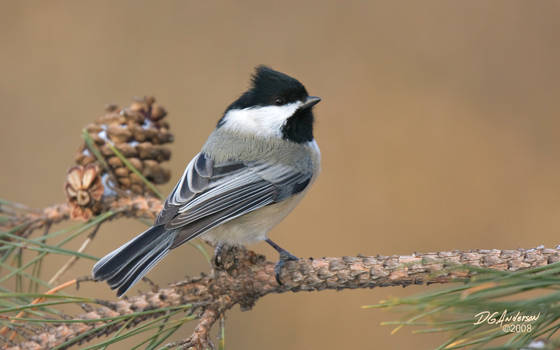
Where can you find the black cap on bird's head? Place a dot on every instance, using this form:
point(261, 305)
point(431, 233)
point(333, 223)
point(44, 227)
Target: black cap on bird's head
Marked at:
point(273, 88)
point(270, 87)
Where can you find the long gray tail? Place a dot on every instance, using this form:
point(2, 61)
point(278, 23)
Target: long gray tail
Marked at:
point(126, 265)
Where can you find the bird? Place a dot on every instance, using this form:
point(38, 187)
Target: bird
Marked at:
point(254, 168)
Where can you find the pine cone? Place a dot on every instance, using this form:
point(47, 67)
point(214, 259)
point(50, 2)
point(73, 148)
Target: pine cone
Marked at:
point(139, 133)
point(84, 190)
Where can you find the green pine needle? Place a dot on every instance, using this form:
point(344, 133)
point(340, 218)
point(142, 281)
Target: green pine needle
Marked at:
point(93, 148)
point(456, 309)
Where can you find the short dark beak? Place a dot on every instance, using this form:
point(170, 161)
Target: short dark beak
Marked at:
point(310, 102)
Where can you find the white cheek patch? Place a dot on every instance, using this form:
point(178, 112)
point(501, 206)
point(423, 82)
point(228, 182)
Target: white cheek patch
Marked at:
point(265, 121)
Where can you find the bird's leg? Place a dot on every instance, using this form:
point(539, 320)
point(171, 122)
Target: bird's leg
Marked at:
point(284, 256)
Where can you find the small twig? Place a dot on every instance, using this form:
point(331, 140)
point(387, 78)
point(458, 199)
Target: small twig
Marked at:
point(16, 205)
point(152, 284)
point(39, 264)
point(33, 220)
point(200, 339)
point(7, 210)
point(75, 258)
point(125, 206)
point(48, 226)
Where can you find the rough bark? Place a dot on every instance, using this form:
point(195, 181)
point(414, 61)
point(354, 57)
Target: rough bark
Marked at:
point(244, 277)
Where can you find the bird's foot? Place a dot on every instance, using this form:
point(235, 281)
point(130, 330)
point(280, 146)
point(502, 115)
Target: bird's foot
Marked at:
point(284, 256)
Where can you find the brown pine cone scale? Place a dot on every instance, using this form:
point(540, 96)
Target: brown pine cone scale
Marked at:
point(140, 133)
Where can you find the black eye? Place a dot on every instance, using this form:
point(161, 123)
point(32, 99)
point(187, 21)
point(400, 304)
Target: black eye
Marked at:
point(278, 101)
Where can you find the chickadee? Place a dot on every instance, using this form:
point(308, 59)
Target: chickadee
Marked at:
point(252, 171)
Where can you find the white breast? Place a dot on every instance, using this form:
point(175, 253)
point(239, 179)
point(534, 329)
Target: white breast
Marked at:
point(254, 226)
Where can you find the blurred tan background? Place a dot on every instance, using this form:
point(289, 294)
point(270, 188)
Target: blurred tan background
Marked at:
point(438, 127)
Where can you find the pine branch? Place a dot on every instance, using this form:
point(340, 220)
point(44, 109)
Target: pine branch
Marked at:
point(131, 206)
point(246, 277)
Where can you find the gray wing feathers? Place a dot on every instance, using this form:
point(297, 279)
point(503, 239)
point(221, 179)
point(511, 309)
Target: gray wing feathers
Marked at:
point(195, 228)
point(208, 195)
point(222, 200)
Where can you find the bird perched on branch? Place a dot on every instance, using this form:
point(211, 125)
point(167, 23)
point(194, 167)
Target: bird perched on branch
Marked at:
point(252, 171)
